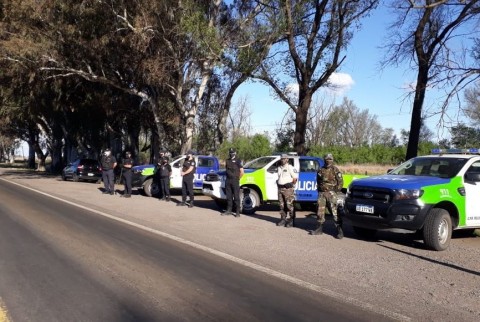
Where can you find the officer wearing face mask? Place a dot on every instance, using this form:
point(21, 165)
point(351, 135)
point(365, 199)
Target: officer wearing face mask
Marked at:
point(127, 174)
point(187, 173)
point(234, 168)
point(329, 182)
point(108, 163)
point(287, 178)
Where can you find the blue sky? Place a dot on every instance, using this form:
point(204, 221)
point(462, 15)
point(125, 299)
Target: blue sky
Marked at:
point(381, 93)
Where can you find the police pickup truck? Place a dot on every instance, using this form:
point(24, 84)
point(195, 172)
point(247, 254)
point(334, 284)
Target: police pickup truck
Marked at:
point(432, 194)
point(259, 182)
point(144, 175)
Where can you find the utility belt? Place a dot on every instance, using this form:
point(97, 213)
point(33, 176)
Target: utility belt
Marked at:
point(285, 186)
point(326, 188)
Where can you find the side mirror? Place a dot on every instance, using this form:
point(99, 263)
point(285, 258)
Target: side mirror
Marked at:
point(473, 176)
point(272, 169)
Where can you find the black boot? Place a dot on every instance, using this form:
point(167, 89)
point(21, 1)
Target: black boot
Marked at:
point(237, 213)
point(227, 212)
point(317, 231)
point(289, 222)
point(282, 221)
point(190, 204)
point(339, 232)
point(181, 203)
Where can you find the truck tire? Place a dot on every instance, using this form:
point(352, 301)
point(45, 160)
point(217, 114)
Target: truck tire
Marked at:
point(250, 201)
point(365, 233)
point(437, 229)
point(151, 188)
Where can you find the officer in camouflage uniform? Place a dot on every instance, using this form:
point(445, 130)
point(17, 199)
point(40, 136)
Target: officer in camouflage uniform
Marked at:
point(287, 178)
point(329, 182)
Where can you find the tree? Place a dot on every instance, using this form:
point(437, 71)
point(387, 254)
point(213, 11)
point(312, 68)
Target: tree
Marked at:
point(465, 137)
point(422, 36)
point(313, 35)
point(472, 97)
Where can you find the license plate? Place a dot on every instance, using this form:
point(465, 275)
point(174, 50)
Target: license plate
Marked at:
point(90, 174)
point(364, 208)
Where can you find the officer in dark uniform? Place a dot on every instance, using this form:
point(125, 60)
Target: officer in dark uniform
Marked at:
point(164, 173)
point(127, 174)
point(108, 163)
point(234, 169)
point(187, 173)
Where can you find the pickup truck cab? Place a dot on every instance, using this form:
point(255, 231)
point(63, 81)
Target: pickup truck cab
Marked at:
point(144, 175)
point(433, 194)
point(259, 182)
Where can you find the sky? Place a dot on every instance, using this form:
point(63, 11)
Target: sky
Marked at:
point(381, 93)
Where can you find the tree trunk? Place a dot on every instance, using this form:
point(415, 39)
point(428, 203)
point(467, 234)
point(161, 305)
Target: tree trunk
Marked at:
point(416, 121)
point(301, 115)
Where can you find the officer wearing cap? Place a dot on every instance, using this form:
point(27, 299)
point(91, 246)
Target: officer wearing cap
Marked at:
point(287, 178)
point(127, 174)
point(234, 168)
point(187, 173)
point(108, 163)
point(329, 182)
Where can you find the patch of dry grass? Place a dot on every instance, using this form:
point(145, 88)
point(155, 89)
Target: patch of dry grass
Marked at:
point(367, 169)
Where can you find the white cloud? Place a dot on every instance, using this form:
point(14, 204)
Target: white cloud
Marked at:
point(339, 83)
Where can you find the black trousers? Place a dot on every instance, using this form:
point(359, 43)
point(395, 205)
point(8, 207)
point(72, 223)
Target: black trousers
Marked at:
point(187, 188)
point(232, 190)
point(127, 180)
point(165, 186)
point(108, 180)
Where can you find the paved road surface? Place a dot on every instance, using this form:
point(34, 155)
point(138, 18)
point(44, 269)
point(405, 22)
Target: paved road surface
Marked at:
point(59, 262)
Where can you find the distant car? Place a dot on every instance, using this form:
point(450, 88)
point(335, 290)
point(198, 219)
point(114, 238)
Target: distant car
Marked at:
point(83, 169)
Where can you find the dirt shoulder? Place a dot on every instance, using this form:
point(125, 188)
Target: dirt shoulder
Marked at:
point(394, 275)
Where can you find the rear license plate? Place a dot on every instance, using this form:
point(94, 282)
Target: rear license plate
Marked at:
point(364, 208)
point(90, 174)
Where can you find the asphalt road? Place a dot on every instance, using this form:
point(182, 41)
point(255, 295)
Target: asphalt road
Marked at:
point(59, 262)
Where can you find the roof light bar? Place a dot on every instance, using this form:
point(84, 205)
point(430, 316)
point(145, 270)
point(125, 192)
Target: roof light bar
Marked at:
point(456, 151)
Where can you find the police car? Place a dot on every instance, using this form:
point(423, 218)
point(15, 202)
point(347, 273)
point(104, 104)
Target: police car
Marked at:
point(433, 194)
point(144, 175)
point(259, 182)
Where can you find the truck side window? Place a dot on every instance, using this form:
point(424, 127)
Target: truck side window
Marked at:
point(205, 162)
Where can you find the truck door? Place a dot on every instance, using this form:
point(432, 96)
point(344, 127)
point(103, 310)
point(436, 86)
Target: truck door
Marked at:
point(306, 188)
point(472, 199)
point(176, 178)
point(204, 165)
point(271, 177)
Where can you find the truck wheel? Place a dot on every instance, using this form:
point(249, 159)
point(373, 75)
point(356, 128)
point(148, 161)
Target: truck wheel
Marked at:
point(250, 201)
point(365, 233)
point(150, 187)
point(437, 230)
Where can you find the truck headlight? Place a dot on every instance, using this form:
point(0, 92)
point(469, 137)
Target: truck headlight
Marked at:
point(406, 194)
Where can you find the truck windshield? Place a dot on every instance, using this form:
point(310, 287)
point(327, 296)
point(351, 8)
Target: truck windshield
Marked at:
point(430, 166)
point(258, 163)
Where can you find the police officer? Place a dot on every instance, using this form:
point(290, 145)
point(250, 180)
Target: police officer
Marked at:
point(287, 178)
point(234, 169)
point(108, 163)
point(164, 173)
point(187, 173)
point(127, 174)
point(329, 182)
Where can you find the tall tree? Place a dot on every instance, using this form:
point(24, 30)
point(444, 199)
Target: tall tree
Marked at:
point(422, 36)
point(314, 35)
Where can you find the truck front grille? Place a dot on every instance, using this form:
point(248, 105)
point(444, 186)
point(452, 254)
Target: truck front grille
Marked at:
point(374, 194)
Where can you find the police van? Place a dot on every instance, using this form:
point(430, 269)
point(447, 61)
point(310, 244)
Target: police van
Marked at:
point(259, 182)
point(433, 194)
point(144, 175)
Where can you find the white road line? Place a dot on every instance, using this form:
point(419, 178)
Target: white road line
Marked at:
point(268, 271)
